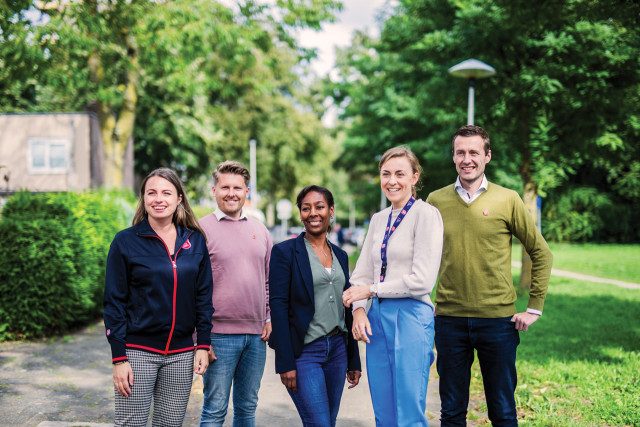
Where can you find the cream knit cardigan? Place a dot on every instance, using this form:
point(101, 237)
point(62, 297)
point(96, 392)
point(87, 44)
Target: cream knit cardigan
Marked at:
point(414, 252)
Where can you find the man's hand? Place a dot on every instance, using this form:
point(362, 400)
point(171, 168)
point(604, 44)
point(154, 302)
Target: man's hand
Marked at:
point(524, 320)
point(212, 355)
point(266, 332)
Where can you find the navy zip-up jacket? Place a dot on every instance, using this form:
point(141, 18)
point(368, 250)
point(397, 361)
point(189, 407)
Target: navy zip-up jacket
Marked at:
point(153, 302)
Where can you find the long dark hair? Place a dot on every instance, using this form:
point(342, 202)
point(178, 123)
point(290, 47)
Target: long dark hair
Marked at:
point(183, 216)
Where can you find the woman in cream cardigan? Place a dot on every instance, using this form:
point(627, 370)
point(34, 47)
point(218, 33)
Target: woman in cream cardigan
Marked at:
point(397, 270)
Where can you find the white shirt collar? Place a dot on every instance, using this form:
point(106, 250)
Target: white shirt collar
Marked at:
point(221, 215)
point(483, 184)
point(471, 197)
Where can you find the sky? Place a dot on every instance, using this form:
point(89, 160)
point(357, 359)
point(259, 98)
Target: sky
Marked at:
point(355, 15)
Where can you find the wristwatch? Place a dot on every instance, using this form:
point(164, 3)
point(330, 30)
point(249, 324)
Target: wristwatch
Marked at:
point(373, 289)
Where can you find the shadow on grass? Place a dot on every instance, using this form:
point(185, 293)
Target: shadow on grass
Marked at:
point(583, 322)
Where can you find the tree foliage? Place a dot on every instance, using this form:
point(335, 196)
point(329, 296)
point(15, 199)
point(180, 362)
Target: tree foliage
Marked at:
point(562, 110)
point(190, 81)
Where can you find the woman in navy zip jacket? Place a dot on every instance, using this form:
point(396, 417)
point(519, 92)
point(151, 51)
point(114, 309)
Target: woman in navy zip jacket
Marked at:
point(158, 290)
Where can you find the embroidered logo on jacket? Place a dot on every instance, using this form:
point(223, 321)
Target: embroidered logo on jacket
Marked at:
point(186, 245)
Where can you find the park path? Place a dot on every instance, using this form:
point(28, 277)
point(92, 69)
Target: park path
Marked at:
point(579, 276)
point(67, 382)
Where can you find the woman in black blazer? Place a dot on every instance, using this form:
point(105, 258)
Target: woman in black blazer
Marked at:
point(311, 335)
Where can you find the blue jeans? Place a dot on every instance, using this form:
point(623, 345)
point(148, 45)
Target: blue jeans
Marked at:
point(321, 370)
point(398, 360)
point(496, 341)
point(240, 359)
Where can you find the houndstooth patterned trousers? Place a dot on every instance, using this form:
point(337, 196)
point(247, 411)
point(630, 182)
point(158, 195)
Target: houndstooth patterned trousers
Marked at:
point(167, 379)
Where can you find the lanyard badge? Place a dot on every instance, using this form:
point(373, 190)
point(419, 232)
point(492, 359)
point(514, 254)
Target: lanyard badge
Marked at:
point(389, 231)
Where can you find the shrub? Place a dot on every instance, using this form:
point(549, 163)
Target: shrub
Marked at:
point(585, 214)
point(52, 273)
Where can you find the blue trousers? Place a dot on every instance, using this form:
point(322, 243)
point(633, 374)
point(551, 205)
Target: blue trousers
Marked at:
point(241, 360)
point(321, 370)
point(496, 341)
point(398, 360)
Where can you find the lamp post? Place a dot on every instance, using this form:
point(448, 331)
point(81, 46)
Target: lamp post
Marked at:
point(472, 69)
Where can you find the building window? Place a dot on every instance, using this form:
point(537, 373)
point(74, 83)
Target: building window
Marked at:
point(48, 156)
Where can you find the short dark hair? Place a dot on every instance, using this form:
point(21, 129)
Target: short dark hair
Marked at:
point(328, 197)
point(233, 167)
point(471, 130)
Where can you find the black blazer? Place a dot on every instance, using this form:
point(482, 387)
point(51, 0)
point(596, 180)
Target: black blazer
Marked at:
point(292, 305)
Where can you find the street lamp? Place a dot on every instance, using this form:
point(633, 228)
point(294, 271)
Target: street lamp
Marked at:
point(471, 69)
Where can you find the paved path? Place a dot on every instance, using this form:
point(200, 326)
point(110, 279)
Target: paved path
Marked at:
point(579, 276)
point(67, 382)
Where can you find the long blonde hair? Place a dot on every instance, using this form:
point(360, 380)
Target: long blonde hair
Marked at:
point(404, 151)
point(183, 216)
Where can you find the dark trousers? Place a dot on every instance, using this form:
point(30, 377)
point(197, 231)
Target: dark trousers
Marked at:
point(496, 341)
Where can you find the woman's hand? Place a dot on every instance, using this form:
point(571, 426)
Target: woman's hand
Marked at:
point(355, 293)
point(289, 380)
point(201, 361)
point(354, 378)
point(123, 378)
point(361, 326)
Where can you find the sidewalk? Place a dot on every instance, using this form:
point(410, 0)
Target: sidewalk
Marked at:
point(67, 382)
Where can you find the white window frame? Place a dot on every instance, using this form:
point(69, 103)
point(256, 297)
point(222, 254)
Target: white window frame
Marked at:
point(47, 169)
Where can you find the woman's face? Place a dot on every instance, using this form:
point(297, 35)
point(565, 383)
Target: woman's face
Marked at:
point(315, 213)
point(397, 180)
point(160, 199)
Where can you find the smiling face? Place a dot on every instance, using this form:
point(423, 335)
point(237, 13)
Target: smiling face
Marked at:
point(470, 158)
point(397, 179)
point(231, 192)
point(315, 213)
point(161, 199)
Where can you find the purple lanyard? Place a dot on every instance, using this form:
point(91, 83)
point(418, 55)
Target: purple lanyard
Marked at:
point(389, 231)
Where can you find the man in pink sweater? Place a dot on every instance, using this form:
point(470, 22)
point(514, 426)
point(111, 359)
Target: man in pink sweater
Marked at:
point(239, 247)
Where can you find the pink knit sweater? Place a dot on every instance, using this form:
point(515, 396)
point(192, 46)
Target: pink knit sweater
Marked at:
point(239, 252)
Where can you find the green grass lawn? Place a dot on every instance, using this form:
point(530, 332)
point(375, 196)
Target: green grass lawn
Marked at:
point(620, 262)
point(579, 365)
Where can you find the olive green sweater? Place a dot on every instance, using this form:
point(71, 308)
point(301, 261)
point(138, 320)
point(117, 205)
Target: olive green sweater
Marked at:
point(475, 273)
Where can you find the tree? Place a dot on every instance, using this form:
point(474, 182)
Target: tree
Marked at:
point(191, 81)
point(562, 104)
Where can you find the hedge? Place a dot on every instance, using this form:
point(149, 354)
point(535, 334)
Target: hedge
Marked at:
point(53, 267)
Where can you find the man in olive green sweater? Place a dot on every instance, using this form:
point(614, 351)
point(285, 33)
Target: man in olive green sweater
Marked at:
point(475, 294)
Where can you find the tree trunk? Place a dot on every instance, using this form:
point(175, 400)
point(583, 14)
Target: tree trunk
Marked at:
point(529, 196)
point(117, 129)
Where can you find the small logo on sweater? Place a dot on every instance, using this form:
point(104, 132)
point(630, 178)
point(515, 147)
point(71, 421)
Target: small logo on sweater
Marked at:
point(186, 245)
point(108, 332)
point(485, 212)
point(253, 236)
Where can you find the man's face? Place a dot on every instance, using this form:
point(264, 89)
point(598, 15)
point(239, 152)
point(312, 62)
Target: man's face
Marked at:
point(230, 192)
point(470, 158)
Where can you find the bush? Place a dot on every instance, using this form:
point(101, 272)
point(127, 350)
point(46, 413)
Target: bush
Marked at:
point(52, 273)
point(585, 214)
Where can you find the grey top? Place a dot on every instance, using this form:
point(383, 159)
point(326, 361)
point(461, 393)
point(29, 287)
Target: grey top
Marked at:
point(327, 294)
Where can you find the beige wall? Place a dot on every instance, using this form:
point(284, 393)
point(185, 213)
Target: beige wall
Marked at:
point(16, 130)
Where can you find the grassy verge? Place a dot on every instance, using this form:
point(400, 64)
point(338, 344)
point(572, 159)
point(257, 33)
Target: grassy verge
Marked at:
point(579, 365)
point(621, 262)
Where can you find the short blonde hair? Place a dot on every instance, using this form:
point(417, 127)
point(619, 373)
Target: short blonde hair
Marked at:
point(233, 167)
